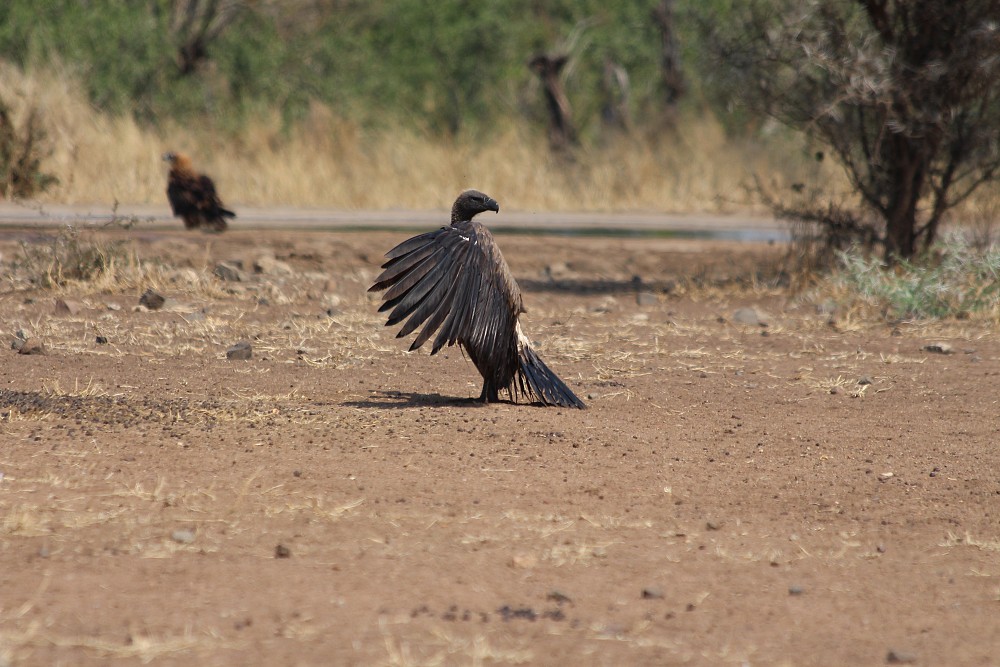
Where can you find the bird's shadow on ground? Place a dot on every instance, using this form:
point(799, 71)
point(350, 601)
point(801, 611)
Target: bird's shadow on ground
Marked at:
point(388, 400)
point(596, 286)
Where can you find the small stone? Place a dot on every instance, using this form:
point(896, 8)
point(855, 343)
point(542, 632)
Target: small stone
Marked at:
point(558, 597)
point(241, 351)
point(66, 307)
point(646, 299)
point(885, 476)
point(101, 340)
point(834, 390)
point(228, 271)
point(938, 348)
point(114, 307)
point(267, 264)
point(864, 379)
point(524, 561)
point(281, 551)
point(713, 524)
point(30, 347)
point(900, 658)
point(183, 536)
point(152, 299)
point(749, 316)
point(652, 594)
point(795, 590)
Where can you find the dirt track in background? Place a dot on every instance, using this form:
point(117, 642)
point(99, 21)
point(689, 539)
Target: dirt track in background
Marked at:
point(733, 494)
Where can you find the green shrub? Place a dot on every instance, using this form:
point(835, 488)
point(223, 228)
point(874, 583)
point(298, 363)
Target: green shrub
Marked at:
point(955, 281)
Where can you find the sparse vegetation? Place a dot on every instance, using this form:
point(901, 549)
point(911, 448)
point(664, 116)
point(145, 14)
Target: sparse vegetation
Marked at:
point(957, 281)
point(22, 150)
point(69, 255)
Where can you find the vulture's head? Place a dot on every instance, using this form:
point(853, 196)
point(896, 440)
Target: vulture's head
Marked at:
point(471, 203)
point(177, 160)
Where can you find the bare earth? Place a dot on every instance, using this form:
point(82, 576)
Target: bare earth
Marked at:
point(732, 496)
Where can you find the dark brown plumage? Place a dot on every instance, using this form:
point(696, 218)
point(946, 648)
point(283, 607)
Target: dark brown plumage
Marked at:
point(455, 282)
point(193, 197)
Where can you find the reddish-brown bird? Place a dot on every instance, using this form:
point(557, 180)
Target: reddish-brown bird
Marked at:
point(193, 197)
point(455, 282)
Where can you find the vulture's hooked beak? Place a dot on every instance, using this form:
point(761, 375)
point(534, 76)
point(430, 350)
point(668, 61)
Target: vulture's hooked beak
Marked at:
point(492, 205)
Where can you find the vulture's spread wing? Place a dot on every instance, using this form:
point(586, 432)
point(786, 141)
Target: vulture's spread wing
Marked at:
point(455, 282)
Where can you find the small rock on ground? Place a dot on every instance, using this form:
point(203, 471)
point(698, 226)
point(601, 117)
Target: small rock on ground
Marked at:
point(228, 271)
point(749, 316)
point(268, 265)
point(182, 536)
point(152, 299)
point(241, 351)
point(281, 551)
point(29, 347)
point(646, 299)
point(938, 348)
point(67, 307)
point(900, 658)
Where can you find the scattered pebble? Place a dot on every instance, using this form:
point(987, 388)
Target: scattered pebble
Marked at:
point(67, 307)
point(558, 597)
point(900, 658)
point(885, 475)
point(834, 390)
point(749, 316)
point(183, 536)
point(152, 299)
point(228, 271)
point(938, 348)
point(281, 551)
point(652, 594)
point(795, 590)
point(864, 379)
point(29, 347)
point(713, 524)
point(267, 264)
point(101, 340)
point(646, 299)
point(524, 561)
point(241, 351)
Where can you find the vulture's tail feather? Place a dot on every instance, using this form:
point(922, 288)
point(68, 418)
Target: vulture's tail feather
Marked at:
point(536, 379)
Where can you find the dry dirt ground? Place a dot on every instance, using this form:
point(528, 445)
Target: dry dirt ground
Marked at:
point(733, 495)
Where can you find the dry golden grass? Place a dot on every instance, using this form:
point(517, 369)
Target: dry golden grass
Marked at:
point(328, 161)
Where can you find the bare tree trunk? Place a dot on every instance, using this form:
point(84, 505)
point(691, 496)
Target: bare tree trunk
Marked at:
point(197, 24)
point(674, 85)
point(562, 133)
point(615, 110)
point(907, 182)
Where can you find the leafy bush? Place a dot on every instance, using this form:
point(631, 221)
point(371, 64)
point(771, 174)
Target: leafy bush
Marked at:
point(956, 281)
